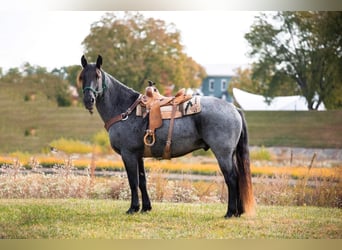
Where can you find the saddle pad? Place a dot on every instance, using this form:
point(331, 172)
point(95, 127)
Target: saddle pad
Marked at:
point(190, 107)
point(193, 106)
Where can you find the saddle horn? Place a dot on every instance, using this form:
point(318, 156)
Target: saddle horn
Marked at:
point(150, 83)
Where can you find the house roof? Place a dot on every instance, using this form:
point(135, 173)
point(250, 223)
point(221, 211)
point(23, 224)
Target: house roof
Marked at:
point(221, 69)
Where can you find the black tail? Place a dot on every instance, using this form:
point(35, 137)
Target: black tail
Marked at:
point(244, 172)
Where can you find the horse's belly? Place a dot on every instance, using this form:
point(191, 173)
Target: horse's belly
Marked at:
point(184, 139)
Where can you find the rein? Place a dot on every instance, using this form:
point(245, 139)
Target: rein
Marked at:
point(123, 116)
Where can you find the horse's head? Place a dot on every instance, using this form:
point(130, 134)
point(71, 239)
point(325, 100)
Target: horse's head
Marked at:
point(92, 80)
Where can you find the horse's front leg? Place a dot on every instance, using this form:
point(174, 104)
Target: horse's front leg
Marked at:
point(131, 166)
point(146, 203)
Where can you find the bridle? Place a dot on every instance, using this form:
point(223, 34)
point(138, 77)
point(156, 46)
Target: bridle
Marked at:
point(103, 85)
point(98, 92)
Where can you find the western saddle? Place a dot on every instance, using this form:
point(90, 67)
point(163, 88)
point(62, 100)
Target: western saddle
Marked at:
point(161, 107)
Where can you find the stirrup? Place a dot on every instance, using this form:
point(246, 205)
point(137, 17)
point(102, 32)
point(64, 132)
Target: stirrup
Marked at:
point(149, 138)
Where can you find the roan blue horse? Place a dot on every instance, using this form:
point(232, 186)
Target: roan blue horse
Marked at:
point(219, 126)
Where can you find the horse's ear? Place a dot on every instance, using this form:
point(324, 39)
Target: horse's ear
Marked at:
point(84, 61)
point(99, 62)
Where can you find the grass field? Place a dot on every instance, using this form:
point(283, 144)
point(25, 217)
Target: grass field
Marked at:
point(106, 219)
point(295, 129)
point(31, 125)
point(27, 125)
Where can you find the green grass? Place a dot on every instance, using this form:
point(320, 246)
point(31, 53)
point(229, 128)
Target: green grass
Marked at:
point(19, 117)
point(106, 219)
point(50, 122)
point(295, 129)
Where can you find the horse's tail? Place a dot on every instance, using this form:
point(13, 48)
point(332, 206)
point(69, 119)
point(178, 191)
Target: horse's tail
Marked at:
point(243, 169)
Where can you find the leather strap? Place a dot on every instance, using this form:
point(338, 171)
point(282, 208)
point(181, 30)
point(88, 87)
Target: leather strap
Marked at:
point(167, 150)
point(122, 116)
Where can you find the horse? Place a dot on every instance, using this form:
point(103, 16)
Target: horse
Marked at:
point(219, 126)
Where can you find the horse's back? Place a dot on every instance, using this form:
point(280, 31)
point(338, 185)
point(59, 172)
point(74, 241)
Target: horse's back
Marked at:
point(220, 122)
point(218, 110)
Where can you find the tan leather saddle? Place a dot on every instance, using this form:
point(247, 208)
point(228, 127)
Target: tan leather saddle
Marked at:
point(161, 107)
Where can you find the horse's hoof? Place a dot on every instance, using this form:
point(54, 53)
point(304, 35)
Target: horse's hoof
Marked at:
point(132, 210)
point(146, 209)
point(228, 216)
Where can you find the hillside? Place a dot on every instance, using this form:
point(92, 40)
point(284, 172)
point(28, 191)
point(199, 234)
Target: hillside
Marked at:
point(30, 123)
point(314, 129)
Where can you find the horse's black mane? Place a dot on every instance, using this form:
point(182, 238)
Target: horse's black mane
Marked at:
point(130, 93)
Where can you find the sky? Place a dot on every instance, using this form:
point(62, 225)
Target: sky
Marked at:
point(52, 39)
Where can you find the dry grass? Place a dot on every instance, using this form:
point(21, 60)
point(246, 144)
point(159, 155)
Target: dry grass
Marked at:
point(272, 186)
point(200, 166)
point(298, 172)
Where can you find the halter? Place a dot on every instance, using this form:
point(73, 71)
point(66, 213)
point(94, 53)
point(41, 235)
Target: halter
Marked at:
point(98, 92)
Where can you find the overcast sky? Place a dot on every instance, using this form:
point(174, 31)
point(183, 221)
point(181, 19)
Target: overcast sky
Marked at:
point(53, 39)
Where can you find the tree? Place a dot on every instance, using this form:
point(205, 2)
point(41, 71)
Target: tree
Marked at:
point(300, 47)
point(13, 75)
point(136, 49)
point(28, 69)
point(69, 74)
point(243, 79)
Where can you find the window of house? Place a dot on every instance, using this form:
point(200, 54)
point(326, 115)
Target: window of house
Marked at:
point(223, 85)
point(211, 85)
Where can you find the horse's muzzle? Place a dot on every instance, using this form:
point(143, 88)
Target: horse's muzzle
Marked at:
point(89, 101)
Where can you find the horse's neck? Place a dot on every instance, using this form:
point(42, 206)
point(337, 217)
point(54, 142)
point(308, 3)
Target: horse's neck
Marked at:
point(116, 99)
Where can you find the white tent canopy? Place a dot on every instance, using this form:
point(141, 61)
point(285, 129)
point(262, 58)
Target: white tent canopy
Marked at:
point(248, 101)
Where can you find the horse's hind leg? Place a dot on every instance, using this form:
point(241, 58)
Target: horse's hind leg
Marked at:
point(230, 176)
point(146, 204)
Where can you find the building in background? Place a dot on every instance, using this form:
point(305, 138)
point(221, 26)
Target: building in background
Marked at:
point(250, 101)
point(217, 81)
